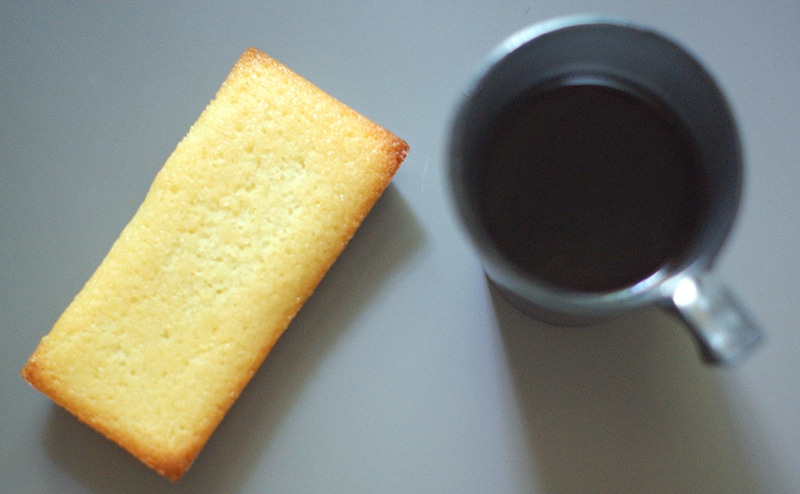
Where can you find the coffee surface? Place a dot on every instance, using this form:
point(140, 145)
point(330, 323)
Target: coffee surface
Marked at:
point(589, 188)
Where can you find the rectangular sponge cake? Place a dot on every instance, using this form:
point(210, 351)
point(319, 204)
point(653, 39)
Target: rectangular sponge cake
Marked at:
point(236, 231)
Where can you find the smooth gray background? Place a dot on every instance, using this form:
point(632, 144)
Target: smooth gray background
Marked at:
point(403, 373)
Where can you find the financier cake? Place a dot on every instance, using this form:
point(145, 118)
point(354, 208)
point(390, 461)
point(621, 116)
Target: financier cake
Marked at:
point(236, 231)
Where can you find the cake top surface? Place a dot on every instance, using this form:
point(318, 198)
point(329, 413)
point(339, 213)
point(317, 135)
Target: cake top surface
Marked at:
point(239, 226)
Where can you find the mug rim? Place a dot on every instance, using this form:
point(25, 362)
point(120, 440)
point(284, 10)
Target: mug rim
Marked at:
point(562, 300)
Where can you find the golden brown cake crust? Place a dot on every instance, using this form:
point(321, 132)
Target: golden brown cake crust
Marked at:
point(234, 235)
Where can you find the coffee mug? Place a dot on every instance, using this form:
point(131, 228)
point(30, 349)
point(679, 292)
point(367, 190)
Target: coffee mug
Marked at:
point(597, 168)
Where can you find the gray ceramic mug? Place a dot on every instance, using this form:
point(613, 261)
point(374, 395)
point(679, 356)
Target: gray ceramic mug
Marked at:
point(597, 168)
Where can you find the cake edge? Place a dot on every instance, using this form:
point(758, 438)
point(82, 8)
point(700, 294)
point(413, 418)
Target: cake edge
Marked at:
point(174, 464)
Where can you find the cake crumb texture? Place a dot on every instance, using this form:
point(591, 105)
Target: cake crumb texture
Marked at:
point(236, 231)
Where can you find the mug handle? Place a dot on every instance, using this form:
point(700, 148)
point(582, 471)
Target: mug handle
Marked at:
point(723, 329)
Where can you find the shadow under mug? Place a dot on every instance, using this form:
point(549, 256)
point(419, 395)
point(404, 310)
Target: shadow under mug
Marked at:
point(601, 140)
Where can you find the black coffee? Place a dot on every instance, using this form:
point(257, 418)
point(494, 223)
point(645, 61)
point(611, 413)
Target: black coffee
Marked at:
point(590, 188)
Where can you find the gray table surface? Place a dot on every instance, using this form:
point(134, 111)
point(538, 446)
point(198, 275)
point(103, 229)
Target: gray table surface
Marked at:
point(403, 373)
